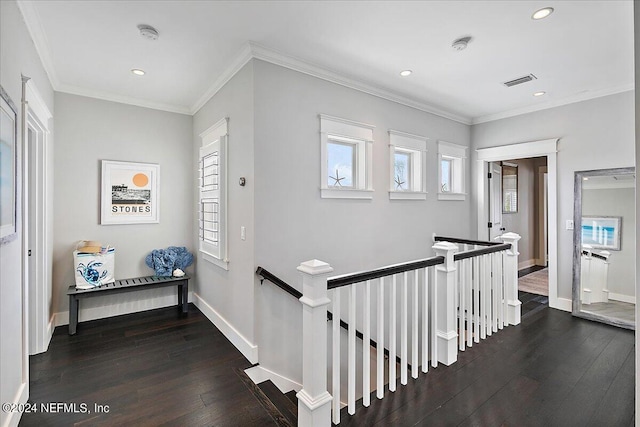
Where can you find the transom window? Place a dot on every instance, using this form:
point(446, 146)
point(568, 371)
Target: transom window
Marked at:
point(408, 164)
point(346, 159)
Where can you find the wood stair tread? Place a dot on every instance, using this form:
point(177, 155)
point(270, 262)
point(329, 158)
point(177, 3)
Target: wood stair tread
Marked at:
point(283, 403)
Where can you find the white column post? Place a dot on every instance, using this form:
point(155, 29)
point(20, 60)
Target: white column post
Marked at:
point(511, 278)
point(446, 313)
point(314, 401)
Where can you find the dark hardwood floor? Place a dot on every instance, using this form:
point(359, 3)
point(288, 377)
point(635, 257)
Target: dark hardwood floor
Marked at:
point(152, 368)
point(160, 368)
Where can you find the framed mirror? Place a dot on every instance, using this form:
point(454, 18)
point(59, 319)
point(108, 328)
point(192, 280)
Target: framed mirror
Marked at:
point(509, 188)
point(604, 246)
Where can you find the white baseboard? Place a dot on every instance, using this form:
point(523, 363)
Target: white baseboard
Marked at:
point(526, 264)
point(13, 418)
point(541, 262)
point(259, 374)
point(246, 347)
point(122, 307)
point(623, 298)
point(564, 304)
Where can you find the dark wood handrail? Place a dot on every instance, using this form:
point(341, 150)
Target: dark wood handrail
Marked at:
point(278, 282)
point(349, 279)
point(465, 241)
point(595, 255)
point(484, 251)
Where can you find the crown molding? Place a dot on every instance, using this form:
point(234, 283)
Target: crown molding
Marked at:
point(34, 26)
point(239, 61)
point(296, 64)
point(138, 102)
point(585, 96)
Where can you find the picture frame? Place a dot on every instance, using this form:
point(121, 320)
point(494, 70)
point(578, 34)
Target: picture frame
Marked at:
point(130, 193)
point(602, 232)
point(8, 168)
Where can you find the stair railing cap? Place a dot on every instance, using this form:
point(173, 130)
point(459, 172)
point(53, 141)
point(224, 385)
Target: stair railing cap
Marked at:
point(314, 267)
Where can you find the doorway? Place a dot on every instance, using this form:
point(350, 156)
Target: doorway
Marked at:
point(543, 148)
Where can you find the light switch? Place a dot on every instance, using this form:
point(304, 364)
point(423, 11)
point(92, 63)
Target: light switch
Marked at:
point(243, 233)
point(569, 224)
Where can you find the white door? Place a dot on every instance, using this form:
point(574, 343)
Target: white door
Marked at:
point(495, 200)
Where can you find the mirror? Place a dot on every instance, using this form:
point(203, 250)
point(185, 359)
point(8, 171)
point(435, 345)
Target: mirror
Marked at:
point(509, 188)
point(604, 246)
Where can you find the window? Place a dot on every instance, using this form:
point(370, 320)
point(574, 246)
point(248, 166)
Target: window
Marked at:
point(213, 194)
point(451, 171)
point(345, 159)
point(407, 169)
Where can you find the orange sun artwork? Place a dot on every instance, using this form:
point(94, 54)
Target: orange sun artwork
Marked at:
point(140, 180)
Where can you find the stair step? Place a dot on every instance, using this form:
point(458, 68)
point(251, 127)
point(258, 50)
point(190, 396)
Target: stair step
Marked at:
point(283, 403)
point(292, 397)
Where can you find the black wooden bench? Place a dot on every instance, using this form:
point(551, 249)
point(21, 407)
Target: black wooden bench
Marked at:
point(125, 285)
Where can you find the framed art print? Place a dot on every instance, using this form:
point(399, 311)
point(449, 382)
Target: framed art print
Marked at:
point(130, 193)
point(602, 232)
point(8, 170)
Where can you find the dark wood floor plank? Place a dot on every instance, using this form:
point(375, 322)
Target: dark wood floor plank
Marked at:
point(152, 368)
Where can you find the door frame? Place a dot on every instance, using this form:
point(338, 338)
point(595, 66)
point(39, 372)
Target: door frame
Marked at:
point(37, 193)
point(542, 148)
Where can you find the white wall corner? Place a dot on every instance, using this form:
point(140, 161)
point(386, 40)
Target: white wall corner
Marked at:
point(246, 347)
point(22, 395)
point(526, 264)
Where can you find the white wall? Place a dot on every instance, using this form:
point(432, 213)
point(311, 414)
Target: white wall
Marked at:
point(18, 56)
point(293, 224)
point(227, 296)
point(90, 130)
point(594, 134)
point(616, 202)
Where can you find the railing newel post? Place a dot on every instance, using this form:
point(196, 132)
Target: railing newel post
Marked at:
point(314, 401)
point(447, 348)
point(511, 278)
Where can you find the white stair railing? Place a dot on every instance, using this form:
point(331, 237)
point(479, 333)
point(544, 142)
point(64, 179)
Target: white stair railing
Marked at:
point(440, 305)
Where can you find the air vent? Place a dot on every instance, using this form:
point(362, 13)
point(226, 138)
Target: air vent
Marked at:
point(520, 80)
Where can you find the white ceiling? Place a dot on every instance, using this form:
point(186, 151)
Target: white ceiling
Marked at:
point(583, 50)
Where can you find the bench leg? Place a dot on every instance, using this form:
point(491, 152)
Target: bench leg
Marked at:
point(183, 296)
point(73, 314)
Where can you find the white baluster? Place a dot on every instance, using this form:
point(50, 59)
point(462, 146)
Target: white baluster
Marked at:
point(392, 337)
point(469, 290)
point(494, 293)
point(500, 290)
point(403, 331)
point(462, 309)
point(335, 353)
point(425, 322)
point(380, 355)
point(351, 367)
point(434, 315)
point(483, 297)
point(366, 347)
point(446, 322)
point(511, 278)
point(314, 401)
point(414, 327)
point(476, 300)
point(487, 288)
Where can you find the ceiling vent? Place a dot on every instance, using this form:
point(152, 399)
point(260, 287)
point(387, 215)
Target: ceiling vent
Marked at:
point(520, 80)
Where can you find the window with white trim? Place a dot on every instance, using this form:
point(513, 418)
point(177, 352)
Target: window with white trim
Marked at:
point(451, 171)
point(212, 203)
point(346, 158)
point(407, 154)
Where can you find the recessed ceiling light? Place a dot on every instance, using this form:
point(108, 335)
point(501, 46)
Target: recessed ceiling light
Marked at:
point(138, 72)
point(405, 73)
point(585, 179)
point(539, 93)
point(542, 13)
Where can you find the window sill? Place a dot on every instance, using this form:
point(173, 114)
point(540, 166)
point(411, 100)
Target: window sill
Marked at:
point(220, 263)
point(334, 193)
point(407, 195)
point(452, 196)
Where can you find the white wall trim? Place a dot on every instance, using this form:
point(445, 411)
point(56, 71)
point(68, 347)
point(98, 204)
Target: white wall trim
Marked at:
point(21, 397)
point(548, 148)
point(526, 264)
point(246, 347)
point(118, 309)
point(553, 104)
point(623, 298)
point(260, 374)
